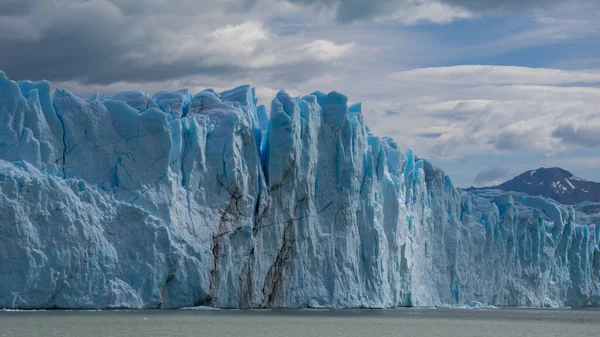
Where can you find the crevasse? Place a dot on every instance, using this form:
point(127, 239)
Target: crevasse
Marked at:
point(173, 200)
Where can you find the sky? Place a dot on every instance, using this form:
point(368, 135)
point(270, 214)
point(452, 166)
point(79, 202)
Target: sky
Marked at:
point(484, 89)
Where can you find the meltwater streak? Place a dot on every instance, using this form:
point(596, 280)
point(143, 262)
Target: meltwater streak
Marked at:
point(174, 200)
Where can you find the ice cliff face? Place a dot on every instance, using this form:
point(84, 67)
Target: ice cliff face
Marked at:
point(177, 200)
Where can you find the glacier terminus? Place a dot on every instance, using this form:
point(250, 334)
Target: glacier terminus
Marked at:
point(181, 199)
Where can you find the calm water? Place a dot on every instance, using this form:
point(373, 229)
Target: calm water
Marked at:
point(322, 323)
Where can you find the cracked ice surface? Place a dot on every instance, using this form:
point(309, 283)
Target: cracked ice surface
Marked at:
point(179, 200)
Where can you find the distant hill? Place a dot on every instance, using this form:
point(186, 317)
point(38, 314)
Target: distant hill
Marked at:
point(556, 183)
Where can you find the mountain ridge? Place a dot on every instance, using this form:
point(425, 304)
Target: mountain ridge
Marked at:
point(553, 182)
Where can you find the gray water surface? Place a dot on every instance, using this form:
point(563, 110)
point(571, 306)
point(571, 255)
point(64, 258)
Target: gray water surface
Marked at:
point(420, 322)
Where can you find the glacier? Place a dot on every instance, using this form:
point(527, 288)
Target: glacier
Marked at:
point(179, 200)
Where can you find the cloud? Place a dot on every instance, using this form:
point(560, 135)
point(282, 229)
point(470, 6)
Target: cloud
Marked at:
point(430, 134)
point(507, 5)
point(104, 42)
point(492, 176)
point(435, 12)
point(580, 133)
point(239, 40)
point(476, 110)
point(526, 135)
point(324, 50)
point(15, 7)
point(14, 29)
point(497, 75)
point(514, 125)
point(412, 11)
point(405, 11)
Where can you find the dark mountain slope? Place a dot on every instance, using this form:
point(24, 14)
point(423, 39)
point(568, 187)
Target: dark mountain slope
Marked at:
point(555, 183)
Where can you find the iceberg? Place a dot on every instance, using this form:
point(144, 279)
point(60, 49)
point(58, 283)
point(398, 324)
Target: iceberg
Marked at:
point(176, 200)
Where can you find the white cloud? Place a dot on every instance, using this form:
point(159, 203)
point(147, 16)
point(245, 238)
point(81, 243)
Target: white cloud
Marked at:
point(241, 39)
point(450, 112)
point(250, 45)
point(430, 11)
point(469, 105)
point(552, 90)
point(325, 50)
point(496, 75)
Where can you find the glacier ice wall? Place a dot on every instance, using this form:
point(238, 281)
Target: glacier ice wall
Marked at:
point(176, 200)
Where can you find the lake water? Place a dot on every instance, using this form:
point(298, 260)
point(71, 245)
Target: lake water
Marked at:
point(421, 322)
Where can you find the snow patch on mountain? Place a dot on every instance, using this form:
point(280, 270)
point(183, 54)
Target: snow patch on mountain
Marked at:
point(554, 183)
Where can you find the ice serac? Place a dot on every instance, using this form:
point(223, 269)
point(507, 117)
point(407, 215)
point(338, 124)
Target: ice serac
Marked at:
point(173, 199)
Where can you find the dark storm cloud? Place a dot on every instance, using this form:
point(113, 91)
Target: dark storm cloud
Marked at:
point(354, 10)
point(93, 42)
point(432, 135)
point(190, 7)
point(508, 141)
point(15, 7)
point(108, 41)
point(81, 43)
point(489, 176)
point(580, 136)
